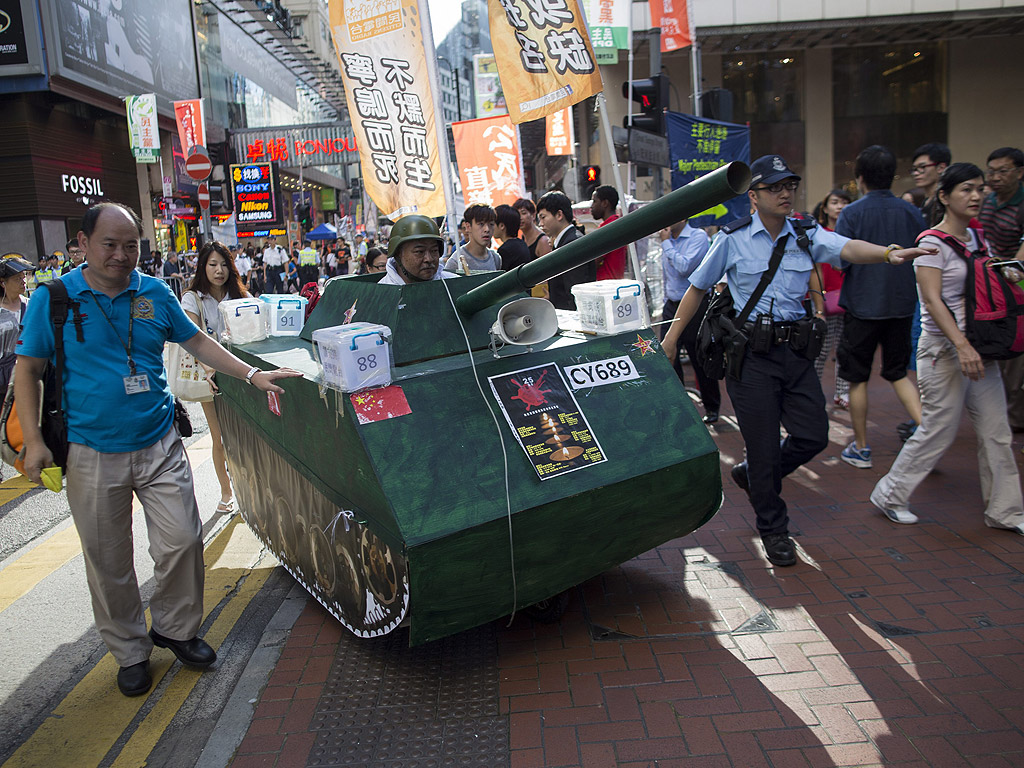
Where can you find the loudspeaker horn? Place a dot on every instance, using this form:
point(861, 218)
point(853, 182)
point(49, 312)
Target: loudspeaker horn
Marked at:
point(525, 322)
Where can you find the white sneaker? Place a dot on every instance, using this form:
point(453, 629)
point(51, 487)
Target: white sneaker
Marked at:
point(901, 516)
point(1019, 528)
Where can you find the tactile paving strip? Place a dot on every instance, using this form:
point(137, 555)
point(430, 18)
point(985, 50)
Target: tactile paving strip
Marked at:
point(392, 706)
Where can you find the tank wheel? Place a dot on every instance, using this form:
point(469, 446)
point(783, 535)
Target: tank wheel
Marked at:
point(548, 611)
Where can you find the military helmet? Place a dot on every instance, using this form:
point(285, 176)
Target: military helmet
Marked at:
point(412, 227)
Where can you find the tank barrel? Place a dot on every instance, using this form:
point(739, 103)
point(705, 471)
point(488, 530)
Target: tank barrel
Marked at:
point(699, 195)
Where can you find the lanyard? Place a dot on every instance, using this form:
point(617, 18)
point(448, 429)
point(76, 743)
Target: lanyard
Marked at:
point(131, 320)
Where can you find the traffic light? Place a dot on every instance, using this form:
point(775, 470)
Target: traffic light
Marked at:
point(591, 180)
point(303, 213)
point(652, 95)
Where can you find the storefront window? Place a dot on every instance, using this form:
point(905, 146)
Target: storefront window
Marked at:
point(893, 95)
point(767, 92)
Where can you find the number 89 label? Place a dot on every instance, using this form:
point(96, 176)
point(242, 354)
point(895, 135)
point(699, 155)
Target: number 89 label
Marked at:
point(625, 310)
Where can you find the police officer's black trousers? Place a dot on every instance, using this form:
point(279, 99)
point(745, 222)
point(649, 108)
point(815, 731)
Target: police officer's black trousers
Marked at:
point(777, 387)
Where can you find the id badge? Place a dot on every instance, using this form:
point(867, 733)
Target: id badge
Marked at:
point(133, 385)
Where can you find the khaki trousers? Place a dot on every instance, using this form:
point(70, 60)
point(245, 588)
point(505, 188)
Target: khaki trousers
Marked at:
point(100, 487)
point(945, 392)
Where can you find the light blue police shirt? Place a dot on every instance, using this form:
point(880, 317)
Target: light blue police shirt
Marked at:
point(743, 256)
point(100, 413)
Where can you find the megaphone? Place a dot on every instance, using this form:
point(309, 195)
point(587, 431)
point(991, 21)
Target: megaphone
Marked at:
point(525, 322)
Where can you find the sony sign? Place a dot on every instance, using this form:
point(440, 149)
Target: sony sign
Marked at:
point(81, 185)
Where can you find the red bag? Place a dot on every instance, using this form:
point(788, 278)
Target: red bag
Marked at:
point(994, 307)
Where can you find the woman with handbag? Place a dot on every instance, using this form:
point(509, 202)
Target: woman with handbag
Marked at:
point(827, 213)
point(216, 279)
point(952, 375)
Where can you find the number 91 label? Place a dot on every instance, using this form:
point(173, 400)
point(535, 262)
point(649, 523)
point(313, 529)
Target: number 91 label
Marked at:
point(610, 371)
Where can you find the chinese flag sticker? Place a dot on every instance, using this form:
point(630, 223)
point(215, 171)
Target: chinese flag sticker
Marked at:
point(380, 404)
point(273, 403)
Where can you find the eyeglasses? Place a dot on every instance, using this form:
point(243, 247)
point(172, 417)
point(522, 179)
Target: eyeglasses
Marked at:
point(779, 186)
point(922, 168)
point(1000, 171)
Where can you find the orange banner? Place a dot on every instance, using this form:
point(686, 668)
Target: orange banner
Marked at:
point(673, 17)
point(560, 138)
point(487, 151)
point(380, 47)
point(545, 58)
point(191, 130)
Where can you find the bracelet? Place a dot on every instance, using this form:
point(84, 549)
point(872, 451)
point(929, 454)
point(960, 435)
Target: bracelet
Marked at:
point(888, 251)
point(252, 372)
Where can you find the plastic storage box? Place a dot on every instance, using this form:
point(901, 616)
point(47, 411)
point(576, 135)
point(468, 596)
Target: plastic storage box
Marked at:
point(609, 306)
point(354, 356)
point(287, 313)
point(245, 320)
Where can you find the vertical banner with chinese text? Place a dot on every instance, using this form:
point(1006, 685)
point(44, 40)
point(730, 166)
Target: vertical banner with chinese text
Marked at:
point(673, 16)
point(380, 46)
point(487, 151)
point(560, 138)
point(609, 22)
point(544, 55)
point(490, 100)
point(699, 145)
point(191, 128)
point(143, 134)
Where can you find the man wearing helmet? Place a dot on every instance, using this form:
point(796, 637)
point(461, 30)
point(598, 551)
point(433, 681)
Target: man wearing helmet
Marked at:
point(414, 252)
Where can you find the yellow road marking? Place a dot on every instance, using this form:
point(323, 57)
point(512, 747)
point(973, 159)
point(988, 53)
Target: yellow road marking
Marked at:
point(20, 577)
point(84, 727)
point(17, 486)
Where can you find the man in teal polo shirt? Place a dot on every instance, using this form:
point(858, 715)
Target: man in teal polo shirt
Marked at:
point(120, 416)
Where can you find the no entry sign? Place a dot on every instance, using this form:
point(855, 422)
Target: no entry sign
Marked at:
point(204, 196)
point(198, 164)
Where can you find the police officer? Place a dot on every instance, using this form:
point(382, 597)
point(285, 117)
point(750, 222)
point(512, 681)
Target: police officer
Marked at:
point(778, 385)
point(309, 264)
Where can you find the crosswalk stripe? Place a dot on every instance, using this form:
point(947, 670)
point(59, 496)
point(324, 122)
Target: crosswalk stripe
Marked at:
point(86, 725)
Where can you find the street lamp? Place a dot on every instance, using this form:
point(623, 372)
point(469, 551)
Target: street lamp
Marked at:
point(458, 91)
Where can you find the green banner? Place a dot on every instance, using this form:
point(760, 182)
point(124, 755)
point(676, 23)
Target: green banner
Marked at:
point(143, 133)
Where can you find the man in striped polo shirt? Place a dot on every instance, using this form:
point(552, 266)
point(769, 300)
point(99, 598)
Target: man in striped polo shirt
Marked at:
point(1002, 216)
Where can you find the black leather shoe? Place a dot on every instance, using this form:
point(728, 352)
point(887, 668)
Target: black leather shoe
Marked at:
point(739, 476)
point(710, 417)
point(195, 652)
point(134, 680)
point(779, 548)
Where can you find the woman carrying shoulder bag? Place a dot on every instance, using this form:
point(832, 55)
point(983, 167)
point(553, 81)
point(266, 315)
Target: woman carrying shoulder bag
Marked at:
point(951, 374)
point(215, 280)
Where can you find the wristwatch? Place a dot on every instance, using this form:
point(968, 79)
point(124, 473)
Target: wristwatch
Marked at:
point(888, 251)
point(252, 372)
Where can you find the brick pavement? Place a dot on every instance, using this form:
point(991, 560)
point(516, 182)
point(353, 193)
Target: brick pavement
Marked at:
point(885, 645)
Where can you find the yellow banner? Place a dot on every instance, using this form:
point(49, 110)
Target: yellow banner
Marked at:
point(380, 48)
point(544, 56)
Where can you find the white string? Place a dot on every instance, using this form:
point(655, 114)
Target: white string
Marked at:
point(504, 454)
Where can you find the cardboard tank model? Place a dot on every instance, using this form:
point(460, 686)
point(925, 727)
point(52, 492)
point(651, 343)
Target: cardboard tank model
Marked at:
point(479, 483)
